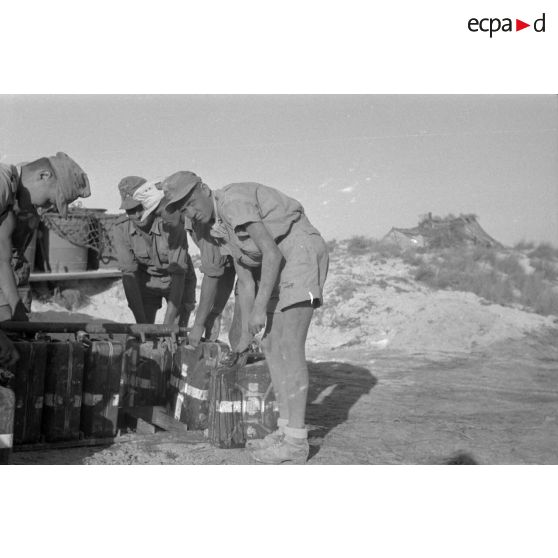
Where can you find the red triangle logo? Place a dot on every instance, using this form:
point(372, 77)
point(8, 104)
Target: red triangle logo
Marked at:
point(519, 25)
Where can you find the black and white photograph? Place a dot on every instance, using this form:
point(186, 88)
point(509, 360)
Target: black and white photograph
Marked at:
point(319, 279)
point(269, 271)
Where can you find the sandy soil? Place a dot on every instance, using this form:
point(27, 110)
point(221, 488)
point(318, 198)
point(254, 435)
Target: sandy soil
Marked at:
point(399, 374)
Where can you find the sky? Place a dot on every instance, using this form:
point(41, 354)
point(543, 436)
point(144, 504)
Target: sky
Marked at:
point(360, 164)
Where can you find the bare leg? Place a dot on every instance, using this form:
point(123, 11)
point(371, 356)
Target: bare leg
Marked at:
point(274, 358)
point(293, 332)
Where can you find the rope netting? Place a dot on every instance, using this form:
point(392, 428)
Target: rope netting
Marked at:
point(86, 229)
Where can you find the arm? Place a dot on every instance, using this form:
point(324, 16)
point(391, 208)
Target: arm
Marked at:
point(213, 268)
point(246, 297)
point(178, 266)
point(7, 278)
point(271, 262)
point(208, 294)
point(175, 297)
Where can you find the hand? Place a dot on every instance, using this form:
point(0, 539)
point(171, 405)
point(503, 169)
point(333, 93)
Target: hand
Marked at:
point(256, 321)
point(243, 343)
point(8, 353)
point(195, 335)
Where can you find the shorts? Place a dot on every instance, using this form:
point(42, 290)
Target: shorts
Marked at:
point(304, 268)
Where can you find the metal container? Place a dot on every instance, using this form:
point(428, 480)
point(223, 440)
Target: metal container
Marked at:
point(147, 373)
point(29, 386)
point(63, 255)
point(259, 406)
point(63, 390)
point(189, 384)
point(7, 410)
point(242, 404)
point(225, 428)
point(101, 387)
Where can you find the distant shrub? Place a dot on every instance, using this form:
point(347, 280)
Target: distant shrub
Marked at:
point(358, 245)
point(544, 251)
point(426, 273)
point(332, 245)
point(412, 257)
point(524, 245)
point(511, 266)
point(498, 279)
point(547, 270)
point(537, 294)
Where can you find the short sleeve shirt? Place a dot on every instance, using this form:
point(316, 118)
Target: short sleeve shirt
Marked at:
point(242, 203)
point(8, 186)
point(160, 252)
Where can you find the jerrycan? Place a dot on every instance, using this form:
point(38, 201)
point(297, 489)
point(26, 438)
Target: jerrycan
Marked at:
point(7, 412)
point(189, 384)
point(242, 404)
point(29, 387)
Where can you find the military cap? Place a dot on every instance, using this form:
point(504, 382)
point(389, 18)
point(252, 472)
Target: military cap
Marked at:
point(127, 186)
point(179, 185)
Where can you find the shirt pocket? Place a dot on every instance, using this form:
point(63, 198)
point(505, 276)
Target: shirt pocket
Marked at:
point(140, 250)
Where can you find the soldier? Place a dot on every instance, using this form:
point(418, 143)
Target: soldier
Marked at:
point(49, 181)
point(153, 256)
point(274, 247)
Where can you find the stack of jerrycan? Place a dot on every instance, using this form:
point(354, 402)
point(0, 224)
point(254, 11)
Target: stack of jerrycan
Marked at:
point(146, 372)
point(189, 384)
point(242, 402)
point(101, 387)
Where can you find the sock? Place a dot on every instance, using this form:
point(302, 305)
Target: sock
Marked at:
point(298, 434)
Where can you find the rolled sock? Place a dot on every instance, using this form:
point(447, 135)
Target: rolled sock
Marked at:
point(297, 433)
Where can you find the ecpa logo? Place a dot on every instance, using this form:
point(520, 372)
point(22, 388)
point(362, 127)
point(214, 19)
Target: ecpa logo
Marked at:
point(493, 25)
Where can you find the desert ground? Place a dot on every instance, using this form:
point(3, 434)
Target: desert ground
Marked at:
point(400, 373)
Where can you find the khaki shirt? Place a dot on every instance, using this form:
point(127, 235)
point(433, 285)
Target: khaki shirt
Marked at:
point(248, 202)
point(8, 188)
point(161, 252)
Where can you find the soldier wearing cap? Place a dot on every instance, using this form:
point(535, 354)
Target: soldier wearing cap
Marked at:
point(281, 262)
point(153, 256)
point(50, 181)
point(218, 278)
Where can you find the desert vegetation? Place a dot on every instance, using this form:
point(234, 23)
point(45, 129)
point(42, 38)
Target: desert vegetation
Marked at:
point(523, 276)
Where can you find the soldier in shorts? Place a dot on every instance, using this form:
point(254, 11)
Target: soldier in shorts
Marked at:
point(153, 256)
point(47, 182)
point(270, 240)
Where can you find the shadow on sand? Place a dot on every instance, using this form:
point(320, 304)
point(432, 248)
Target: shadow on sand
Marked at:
point(334, 388)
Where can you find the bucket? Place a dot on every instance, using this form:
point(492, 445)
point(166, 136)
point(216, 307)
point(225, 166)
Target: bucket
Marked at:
point(63, 256)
